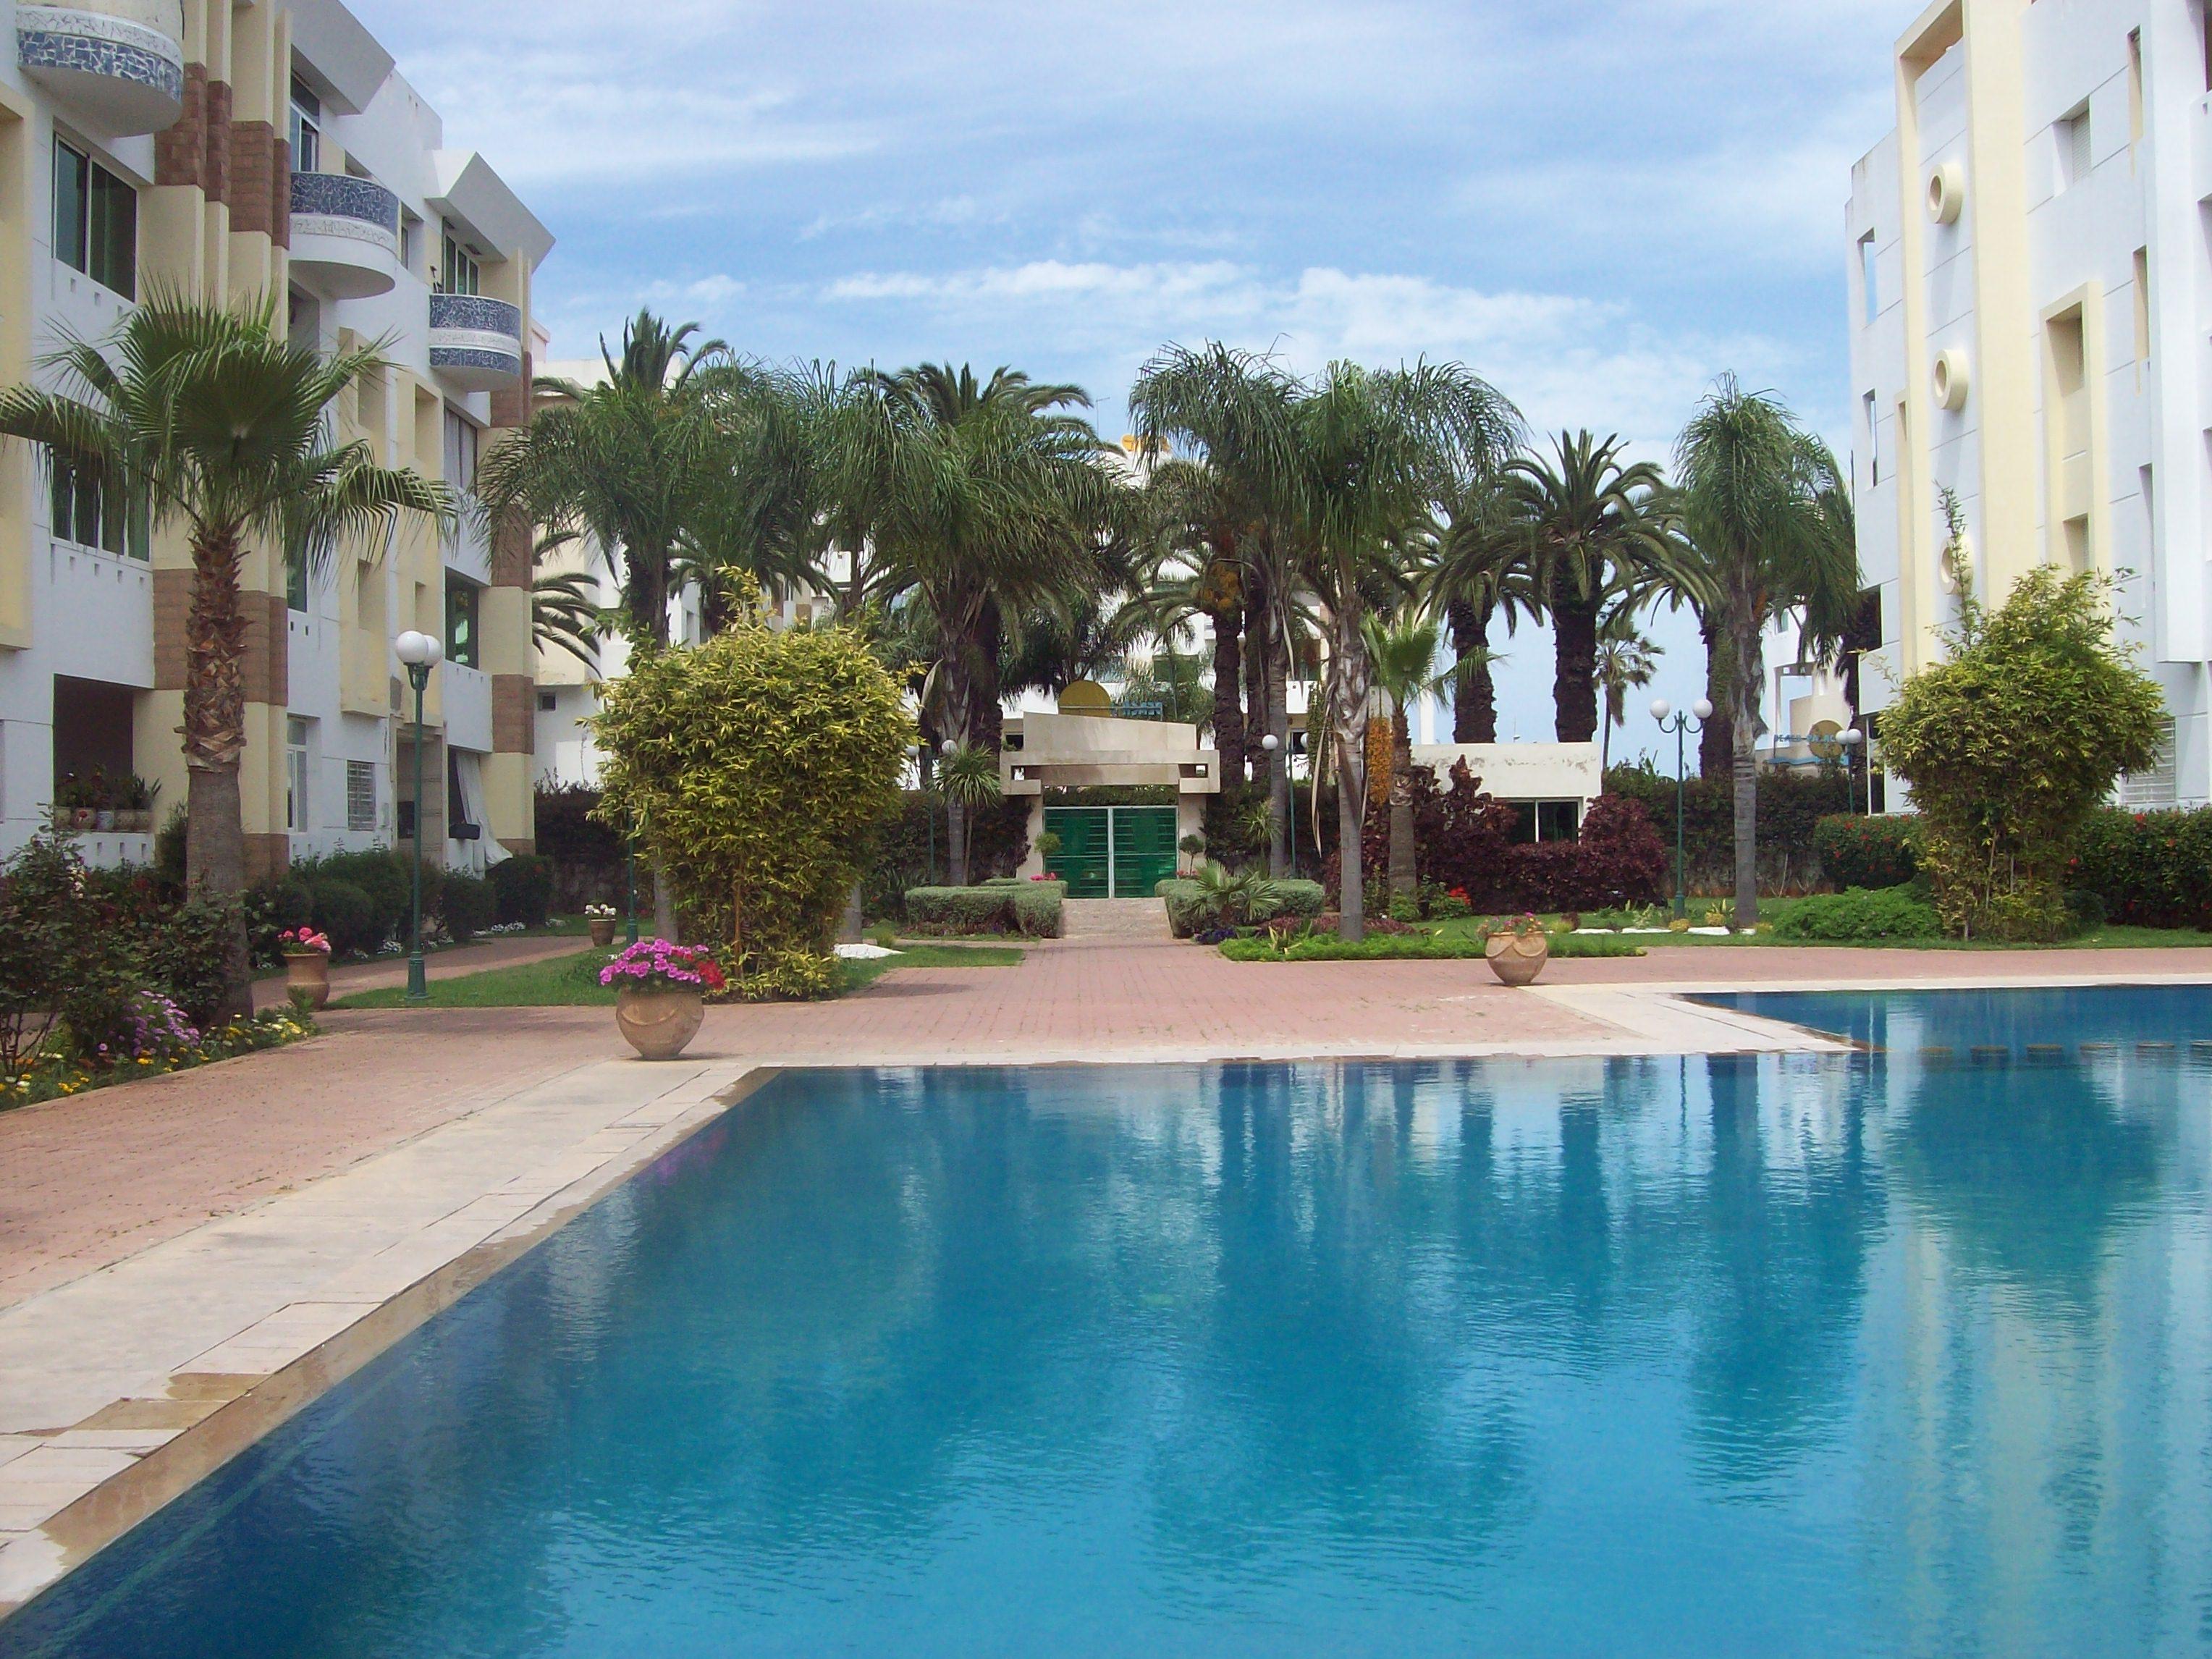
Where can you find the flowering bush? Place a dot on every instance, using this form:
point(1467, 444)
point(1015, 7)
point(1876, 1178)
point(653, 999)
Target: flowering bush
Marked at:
point(656, 962)
point(1519, 926)
point(303, 942)
point(600, 912)
point(1874, 852)
point(2151, 869)
point(153, 1039)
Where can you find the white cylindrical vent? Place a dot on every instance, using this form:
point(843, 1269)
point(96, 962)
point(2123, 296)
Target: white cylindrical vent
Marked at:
point(1946, 193)
point(1949, 382)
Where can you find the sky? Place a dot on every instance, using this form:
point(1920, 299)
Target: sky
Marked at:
point(1598, 205)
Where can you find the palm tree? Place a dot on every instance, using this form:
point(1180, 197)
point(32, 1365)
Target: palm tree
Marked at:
point(1627, 661)
point(1479, 570)
point(1195, 526)
point(1404, 655)
point(212, 421)
point(969, 780)
point(564, 614)
point(981, 501)
point(1768, 519)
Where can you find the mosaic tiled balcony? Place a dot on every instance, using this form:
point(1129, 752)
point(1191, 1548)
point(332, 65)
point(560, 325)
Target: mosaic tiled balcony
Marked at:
point(475, 343)
point(345, 236)
point(119, 62)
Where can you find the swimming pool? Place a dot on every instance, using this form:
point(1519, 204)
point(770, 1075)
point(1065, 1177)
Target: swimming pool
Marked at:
point(1645, 1356)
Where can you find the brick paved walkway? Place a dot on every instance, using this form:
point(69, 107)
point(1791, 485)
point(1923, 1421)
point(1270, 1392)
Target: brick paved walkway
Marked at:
point(389, 973)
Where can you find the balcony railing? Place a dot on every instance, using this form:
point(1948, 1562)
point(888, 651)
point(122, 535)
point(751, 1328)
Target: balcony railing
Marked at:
point(476, 343)
point(345, 233)
point(126, 71)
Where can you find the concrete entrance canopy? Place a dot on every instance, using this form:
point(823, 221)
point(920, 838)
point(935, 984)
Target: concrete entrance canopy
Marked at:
point(1086, 751)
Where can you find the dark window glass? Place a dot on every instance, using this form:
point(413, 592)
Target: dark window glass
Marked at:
point(295, 580)
point(72, 182)
point(1558, 820)
point(461, 621)
point(95, 221)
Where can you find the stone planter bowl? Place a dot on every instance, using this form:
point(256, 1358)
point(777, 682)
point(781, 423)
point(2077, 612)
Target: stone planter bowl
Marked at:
point(659, 1021)
point(309, 972)
point(603, 930)
point(1518, 960)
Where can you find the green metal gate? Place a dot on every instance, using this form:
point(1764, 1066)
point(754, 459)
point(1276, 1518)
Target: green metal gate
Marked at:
point(1113, 852)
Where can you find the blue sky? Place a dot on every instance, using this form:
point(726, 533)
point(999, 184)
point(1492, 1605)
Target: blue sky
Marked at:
point(1598, 204)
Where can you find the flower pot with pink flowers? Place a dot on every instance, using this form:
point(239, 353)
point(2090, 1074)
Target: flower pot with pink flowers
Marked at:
point(1518, 949)
point(306, 964)
point(660, 996)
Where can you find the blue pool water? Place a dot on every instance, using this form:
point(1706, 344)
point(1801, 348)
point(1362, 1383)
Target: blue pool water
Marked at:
point(1802, 1356)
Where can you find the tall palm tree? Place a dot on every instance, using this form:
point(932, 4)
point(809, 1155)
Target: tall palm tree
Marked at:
point(564, 614)
point(1588, 524)
point(1404, 655)
point(1627, 662)
point(211, 421)
point(1195, 526)
point(1767, 516)
point(984, 499)
point(1479, 572)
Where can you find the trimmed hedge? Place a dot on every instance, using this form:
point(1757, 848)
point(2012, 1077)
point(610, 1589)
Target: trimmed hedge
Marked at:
point(1790, 805)
point(1034, 910)
point(354, 921)
point(1859, 915)
point(1870, 852)
point(522, 890)
point(2151, 869)
point(465, 905)
point(1189, 913)
point(997, 841)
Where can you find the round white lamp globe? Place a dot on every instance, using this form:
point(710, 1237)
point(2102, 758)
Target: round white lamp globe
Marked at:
point(1661, 708)
point(1702, 709)
point(418, 650)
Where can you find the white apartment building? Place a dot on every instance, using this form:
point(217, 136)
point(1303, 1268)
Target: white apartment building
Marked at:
point(2031, 311)
point(229, 151)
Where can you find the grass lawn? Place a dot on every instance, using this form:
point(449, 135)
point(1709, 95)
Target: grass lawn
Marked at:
point(574, 980)
point(1772, 910)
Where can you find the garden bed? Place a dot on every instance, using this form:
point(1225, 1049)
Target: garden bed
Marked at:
point(1410, 947)
point(58, 1076)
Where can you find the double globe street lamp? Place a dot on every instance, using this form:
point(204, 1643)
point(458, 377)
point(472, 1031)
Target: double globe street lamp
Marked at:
point(1691, 720)
point(418, 653)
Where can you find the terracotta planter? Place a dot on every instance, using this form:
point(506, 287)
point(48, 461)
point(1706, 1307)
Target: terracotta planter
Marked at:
point(659, 1021)
point(603, 930)
point(310, 973)
point(1516, 960)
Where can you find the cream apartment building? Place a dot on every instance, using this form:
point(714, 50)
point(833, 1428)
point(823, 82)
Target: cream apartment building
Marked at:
point(231, 148)
point(2030, 308)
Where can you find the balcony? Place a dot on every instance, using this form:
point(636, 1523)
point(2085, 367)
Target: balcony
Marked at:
point(476, 344)
point(345, 236)
point(121, 62)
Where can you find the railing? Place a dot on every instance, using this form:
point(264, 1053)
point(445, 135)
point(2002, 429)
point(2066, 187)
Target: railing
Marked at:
point(342, 196)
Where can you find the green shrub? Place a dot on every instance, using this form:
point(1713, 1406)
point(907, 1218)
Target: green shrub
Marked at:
point(187, 957)
point(1873, 852)
point(1192, 909)
point(355, 924)
point(465, 905)
point(960, 911)
point(1859, 915)
point(1040, 910)
point(522, 892)
point(382, 877)
point(2151, 869)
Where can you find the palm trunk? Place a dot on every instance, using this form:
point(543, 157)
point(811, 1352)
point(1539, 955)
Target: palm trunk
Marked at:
point(1405, 876)
point(1255, 671)
point(1474, 692)
point(215, 738)
point(1351, 694)
point(1278, 669)
point(1717, 745)
point(1228, 686)
point(955, 840)
point(1749, 674)
point(1574, 684)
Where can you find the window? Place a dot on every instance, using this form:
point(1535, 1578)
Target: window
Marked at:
point(2161, 786)
point(462, 443)
point(306, 128)
point(360, 795)
point(458, 273)
point(2204, 27)
point(296, 581)
point(2072, 134)
point(296, 774)
point(461, 621)
point(95, 221)
point(548, 703)
point(1866, 282)
point(410, 243)
point(2142, 305)
point(91, 514)
point(1873, 441)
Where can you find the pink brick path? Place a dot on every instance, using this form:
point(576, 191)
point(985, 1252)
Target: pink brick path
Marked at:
point(88, 1181)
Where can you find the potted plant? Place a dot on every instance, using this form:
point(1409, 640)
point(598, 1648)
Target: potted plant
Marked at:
point(661, 994)
point(1193, 847)
point(600, 919)
point(134, 806)
point(1048, 847)
point(1518, 950)
point(75, 804)
point(307, 965)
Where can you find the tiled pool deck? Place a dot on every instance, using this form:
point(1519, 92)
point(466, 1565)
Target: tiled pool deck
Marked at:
point(184, 1263)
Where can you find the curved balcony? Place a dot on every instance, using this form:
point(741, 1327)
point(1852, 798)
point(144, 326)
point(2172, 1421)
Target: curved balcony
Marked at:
point(476, 344)
point(345, 236)
point(120, 62)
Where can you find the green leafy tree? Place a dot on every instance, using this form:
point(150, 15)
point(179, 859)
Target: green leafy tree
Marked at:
point(2013, 743)
point(1770, 531)
point(968, 779)
point(757, 768)
point(212, 421)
